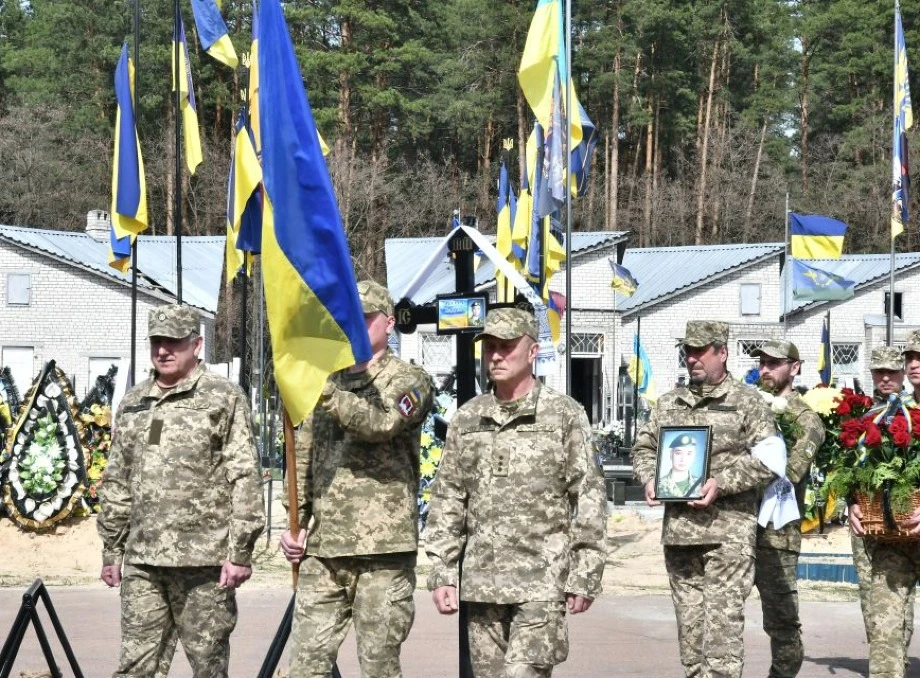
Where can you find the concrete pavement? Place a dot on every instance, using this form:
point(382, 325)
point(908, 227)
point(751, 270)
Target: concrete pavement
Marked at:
point(627, 636)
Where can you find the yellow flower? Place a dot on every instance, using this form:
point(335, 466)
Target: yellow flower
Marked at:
point(434, 454)
point(427, 469)
point(426, 439)
point(823, 400)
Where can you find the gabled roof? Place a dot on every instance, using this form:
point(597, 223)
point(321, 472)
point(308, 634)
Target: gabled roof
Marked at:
point(202, 261)
point(664, 272)
point(405, 256)
point(863, 269)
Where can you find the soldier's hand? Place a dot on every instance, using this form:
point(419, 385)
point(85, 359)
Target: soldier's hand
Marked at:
point(855, 517)
point(445, 599)
point(293, 549)
point(111, 575)
point(576, 604)
point(710, 492)
point(232, 575)
point(912, 524)
point(650, 494)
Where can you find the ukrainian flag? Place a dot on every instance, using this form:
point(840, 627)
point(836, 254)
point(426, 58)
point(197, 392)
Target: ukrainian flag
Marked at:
point(314, 314)
point(503, 244)
point(119, 251)
point(555, 310)
point(243, 203)
point(640, 371)
point(254, 80)
point(212, 32)
point(129, 187)
point(816, 237)
point(190, 135)
point(825, 362)
point(623, 281)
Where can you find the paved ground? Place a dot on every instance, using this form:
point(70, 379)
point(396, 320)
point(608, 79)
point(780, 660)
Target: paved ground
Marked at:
point(620, 636)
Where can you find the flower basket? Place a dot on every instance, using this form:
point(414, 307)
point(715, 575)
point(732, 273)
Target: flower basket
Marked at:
point(880, 521)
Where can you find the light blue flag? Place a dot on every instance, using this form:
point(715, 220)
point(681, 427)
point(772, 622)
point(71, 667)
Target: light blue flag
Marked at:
point(814, 284)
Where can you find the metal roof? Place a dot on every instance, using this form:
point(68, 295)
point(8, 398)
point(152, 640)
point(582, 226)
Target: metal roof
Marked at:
point(863, 269)
point(663, 272)
point(404, 257)
point(202, 260)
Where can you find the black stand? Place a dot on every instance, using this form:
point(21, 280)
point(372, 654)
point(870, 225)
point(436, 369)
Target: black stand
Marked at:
point(28, 614)
point(277, 646)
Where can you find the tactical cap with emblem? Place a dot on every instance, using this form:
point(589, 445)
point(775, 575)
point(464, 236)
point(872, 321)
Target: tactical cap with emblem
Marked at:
point(173, 321)
point(886, 358)
point(508, 323)
point(683, 440)
point(375, 298)
point(913, 343)
point(701, 333)
point(777, 348)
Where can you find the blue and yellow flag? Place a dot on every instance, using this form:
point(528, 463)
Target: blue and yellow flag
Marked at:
point(119, 251)
point(254, 80)
point(825, 362)
point(815, 237)
point(813, 284)
point(243, 204)
point(212, 32)
point(314, 314)
point(903, 121)
point(555, 310)
point(640, 371)
point(129, 187)
point(582, 155)
point(190, 136)
point(623, 281)
point(505, 207)
point(551, 195)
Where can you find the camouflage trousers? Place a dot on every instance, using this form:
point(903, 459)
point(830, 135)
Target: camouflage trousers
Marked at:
point(863, 554)
point(517, 641)
point(159, 604)
point(775, 578)
point(376, 593)
point(709, 585)
point(895, 574)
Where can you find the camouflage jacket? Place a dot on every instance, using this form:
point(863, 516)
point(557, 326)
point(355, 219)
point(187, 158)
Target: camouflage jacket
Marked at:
point(182, 485)
point(800, 452)
point(523, 494)
point(358, 461)
point(740, 418)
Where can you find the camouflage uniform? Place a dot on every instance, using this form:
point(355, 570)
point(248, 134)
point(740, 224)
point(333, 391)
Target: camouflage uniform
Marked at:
point(709, 552)
point(895, 573)
point(520, 496)
point(778, 551)
point(358, 479)
point(182, 495)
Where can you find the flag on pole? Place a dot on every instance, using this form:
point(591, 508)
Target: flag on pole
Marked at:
point(119, 251)
point(129, 187)
point(242, 200)
point(190, 135)
point(254, 80)
point(212, 32)
point(551, 196)
point(903, 121)
point(314, 313)
point(815, 237)
point(623, 281)
point(810, 283)
point(582, 155)
point(825, 362)
point(555, 311)
point(505, 292)
point(640, 371)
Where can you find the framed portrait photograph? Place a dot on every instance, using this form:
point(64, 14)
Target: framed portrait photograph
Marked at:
point(683, 462)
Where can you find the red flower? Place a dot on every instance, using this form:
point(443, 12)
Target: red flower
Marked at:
point(915, 420)
point(849, 439)
point(844, 408)
point(873, 435)
point(900, 438)
point(847, 391)
point(898, 425)
point(850, 431)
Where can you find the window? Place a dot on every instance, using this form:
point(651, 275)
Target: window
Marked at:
point(745, 346)
point(18, 289)
point(21, 361)
point(587, 344)
point(898, 296)
point(750, 299)
point(681, 357)
point(846, 359)
point(438, 353)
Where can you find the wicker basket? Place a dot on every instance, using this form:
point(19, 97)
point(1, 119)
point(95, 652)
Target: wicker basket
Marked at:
point(873, 517)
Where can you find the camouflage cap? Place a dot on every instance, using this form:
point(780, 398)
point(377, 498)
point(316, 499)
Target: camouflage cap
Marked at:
point(683, 441)
point(508, 323)
point(886, 358)
point(701, 333)
point(913, 343)
point(777, 348)
point(375, 298)
point(173, 321)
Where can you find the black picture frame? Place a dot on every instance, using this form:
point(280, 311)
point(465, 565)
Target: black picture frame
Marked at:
point(671, 441)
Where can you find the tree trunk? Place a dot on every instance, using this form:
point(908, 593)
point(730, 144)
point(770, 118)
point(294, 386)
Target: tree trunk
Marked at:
point(646, 235)
point(614, 166)
point(523, 133)
point(656, 170)
point(722, 118)
point(170, 174)
point(748, 213)
point(344, 141)
point(704, 150)
point(803, 120)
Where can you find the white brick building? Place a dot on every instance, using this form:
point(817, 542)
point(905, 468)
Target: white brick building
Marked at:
point(60, 300)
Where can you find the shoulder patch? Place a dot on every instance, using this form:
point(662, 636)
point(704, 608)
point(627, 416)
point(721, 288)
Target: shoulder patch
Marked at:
point(408, 402)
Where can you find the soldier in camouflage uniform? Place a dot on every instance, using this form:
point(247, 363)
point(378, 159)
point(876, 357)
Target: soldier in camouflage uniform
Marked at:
point(520, 495)
point(895, 569)
point(886, 365)
point(709, 543)
point(358, 478)
point(778, 550)
point(181, 506)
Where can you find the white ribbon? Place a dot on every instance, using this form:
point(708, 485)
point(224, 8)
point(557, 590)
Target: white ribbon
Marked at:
point(779, 505)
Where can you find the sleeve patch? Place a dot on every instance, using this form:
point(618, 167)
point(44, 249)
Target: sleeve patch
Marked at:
point(408, 402)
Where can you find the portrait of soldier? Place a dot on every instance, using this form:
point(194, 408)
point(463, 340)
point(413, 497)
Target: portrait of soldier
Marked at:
point(679, 481)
